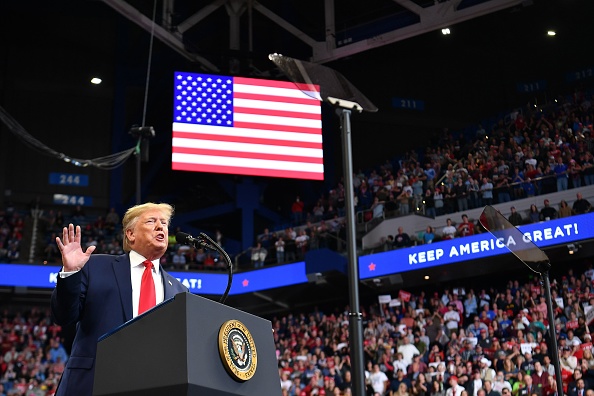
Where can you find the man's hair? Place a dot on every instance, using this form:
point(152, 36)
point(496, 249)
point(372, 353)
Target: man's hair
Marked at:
point(133, 214)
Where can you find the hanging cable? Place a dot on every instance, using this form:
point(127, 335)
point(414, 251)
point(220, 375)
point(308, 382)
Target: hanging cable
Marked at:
point(108, 162)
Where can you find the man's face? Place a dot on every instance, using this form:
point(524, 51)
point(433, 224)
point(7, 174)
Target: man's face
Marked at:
point(149, 237)
point(547, 360)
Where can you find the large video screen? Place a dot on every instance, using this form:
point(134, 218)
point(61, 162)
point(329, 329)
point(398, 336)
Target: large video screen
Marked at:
point(246, 126)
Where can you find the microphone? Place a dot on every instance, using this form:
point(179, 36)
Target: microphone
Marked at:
point(205, 241)
point(187, 239)
point(202, 241)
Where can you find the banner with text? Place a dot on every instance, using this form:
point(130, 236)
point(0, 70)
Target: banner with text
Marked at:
point(554, 232)
point(43, 276)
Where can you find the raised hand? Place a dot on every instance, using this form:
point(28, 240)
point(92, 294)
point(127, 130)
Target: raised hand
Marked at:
point(73, 257)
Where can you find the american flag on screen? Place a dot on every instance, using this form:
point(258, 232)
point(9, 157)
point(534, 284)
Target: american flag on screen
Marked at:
point(246, 126)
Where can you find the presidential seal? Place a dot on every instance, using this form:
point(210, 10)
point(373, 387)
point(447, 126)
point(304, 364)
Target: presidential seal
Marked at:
point(237, 350)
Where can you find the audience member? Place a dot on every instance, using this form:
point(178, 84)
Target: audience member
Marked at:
point(548, 212)
point(258, 255)
point(564, 209)
point(401, 239)
point(449, 231)
point(515, 218)
point(465, 228)
point(581, 205)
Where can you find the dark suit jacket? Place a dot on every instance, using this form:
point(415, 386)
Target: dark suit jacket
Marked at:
point(535, 389)
point(469, 386)
point(572, 388)
point(98, 299)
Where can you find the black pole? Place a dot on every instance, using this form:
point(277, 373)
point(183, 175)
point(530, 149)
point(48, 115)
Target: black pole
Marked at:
point(554, 348)
point(355, 323)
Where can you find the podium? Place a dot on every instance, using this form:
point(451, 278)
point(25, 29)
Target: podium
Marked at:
point(178, 348)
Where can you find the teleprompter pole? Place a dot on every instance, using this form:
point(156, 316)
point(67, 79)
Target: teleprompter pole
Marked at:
point(355, 319)
point(554, 353)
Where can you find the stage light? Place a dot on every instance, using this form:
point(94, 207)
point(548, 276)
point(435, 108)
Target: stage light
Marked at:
point(96, 80)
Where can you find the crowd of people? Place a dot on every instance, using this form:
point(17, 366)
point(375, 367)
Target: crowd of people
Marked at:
point(102, 231)
point(32, 353)
point(492, 341)
point(466, 227)
point(277, 247)
point(534, 153)
point(11, 233)
point(458, 341)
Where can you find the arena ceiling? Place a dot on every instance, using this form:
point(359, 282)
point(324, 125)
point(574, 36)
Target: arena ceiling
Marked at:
point(320, 31)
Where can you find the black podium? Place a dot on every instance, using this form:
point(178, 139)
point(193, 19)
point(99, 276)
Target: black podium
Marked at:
point(174, 349)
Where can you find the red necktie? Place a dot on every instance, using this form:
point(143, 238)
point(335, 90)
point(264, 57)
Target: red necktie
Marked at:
point(148, 297)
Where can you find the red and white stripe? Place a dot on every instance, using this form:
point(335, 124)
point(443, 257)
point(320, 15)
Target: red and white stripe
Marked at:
point(277, 132)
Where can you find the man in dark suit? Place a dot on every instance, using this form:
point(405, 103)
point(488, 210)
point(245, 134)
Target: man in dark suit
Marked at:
point(573, 385)
point(579, 389)
point(475, 383)
point(101, 292)
point(489, 391)
point(529, 389)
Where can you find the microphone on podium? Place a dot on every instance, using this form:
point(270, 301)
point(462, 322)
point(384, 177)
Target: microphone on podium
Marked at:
point(205, 241)
point(187, 239)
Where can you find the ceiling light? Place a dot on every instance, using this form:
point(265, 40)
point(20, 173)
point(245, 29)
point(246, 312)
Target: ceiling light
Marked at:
point(445, 31)
point(426, 277)
point(96, 80)
point(551, 33)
